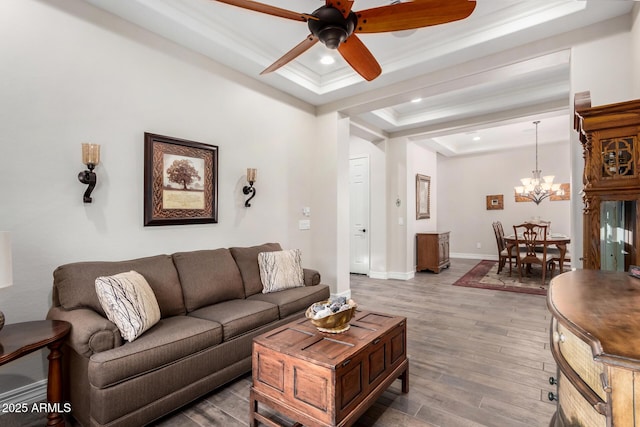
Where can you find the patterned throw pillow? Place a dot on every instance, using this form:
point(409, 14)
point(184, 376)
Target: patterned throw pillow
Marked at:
point(280, 270)
point(129, 302)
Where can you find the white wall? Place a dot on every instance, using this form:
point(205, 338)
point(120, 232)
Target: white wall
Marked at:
point(405, 159)
point(330, 196)
point(70, 73)
point(464, 183)
point(397, 234)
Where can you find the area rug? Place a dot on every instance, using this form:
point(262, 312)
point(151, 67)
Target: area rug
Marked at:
point(485, 275)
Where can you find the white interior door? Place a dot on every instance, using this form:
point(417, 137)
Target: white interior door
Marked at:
point(359, 214)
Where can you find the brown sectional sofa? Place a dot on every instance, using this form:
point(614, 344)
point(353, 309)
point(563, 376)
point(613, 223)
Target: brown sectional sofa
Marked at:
point(211, 305)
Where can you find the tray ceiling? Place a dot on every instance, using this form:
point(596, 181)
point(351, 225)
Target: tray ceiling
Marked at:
point(499, 67)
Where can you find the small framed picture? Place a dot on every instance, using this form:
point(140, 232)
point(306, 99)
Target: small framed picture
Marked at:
point(495, 202)
point(423, 196)
point(634, 271)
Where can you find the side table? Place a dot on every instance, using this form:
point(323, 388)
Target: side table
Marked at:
point(20, 339)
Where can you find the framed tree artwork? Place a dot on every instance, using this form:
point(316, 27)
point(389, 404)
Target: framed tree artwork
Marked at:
point(180, 181)
point(423, 196)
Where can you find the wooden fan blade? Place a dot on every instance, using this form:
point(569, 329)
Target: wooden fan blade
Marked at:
point(360, 58)
point(343, 6)
point(292, 54)
point(268, 9)
point(410, 15)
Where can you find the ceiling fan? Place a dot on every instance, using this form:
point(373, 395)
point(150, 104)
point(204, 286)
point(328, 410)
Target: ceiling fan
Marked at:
point(336, 26)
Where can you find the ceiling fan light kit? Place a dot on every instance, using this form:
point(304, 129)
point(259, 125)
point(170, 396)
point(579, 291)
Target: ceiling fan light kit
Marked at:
point(331, 27)
point(335, 25)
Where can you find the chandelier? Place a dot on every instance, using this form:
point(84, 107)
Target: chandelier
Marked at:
point(538, 187)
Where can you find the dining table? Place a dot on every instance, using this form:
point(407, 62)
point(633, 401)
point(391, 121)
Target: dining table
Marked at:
point(560, 241)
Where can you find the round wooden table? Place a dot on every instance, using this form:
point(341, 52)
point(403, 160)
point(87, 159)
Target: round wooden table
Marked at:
point(20, 339)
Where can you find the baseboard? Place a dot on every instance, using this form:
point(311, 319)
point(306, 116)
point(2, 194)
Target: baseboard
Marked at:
point(401, 276)
point(383, 275)
point(378, 275)
point(30, 393)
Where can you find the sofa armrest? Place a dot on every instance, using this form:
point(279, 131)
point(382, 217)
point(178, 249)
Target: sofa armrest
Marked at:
point(90, 332)
point(311, 277)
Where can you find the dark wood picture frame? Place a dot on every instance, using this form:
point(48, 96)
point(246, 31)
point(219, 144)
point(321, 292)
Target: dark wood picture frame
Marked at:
point(170, 163)
point(423, 196)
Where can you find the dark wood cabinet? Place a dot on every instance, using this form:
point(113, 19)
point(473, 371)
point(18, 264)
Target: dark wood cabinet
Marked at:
point(432, 250)
point(610, 135)
point(595, 341)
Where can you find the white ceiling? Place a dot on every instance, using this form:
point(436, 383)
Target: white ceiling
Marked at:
point(490, 75)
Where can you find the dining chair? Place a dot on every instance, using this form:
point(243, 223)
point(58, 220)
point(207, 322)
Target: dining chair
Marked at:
point(541, 222)
point(531, 244)
point(553, 257)
point(503, 254)
point(547, 223)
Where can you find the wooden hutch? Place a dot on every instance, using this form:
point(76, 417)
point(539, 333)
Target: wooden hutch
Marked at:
point(610, 137)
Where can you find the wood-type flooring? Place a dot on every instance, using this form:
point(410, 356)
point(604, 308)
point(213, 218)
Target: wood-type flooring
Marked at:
point(478, 357)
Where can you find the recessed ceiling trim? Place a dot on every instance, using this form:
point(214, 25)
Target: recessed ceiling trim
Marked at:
point(513, 98)
point(481, 121)
point(528, 66)
point(501, 23)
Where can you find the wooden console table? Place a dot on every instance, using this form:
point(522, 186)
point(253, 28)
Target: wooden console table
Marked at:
point(326, 380)
point(20, 339)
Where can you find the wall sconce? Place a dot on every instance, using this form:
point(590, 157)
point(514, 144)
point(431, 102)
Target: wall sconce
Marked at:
point(91, 158)
point(249, 189)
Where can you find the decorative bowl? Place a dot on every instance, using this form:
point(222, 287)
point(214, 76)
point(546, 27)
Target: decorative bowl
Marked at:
point(334, 323)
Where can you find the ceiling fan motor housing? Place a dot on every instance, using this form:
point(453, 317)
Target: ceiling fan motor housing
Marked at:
point(332, 28)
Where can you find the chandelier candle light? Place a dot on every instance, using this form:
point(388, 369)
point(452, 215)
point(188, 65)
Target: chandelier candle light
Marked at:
point(538, 187)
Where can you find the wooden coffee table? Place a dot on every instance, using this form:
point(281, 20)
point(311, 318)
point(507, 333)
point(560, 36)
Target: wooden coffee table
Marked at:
point(320, 379)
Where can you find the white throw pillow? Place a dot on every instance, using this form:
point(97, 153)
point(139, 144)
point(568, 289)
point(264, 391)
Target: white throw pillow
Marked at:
point(280, 270)
point(129, 302)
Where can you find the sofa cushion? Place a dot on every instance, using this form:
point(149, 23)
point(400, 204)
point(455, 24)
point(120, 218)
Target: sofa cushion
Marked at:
point(294, 300)
point(238, 316)
point(208, 277)
point(247, 261)
point(76, 287)
point(129, 303)
point(280, 270)
point(169, 340)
